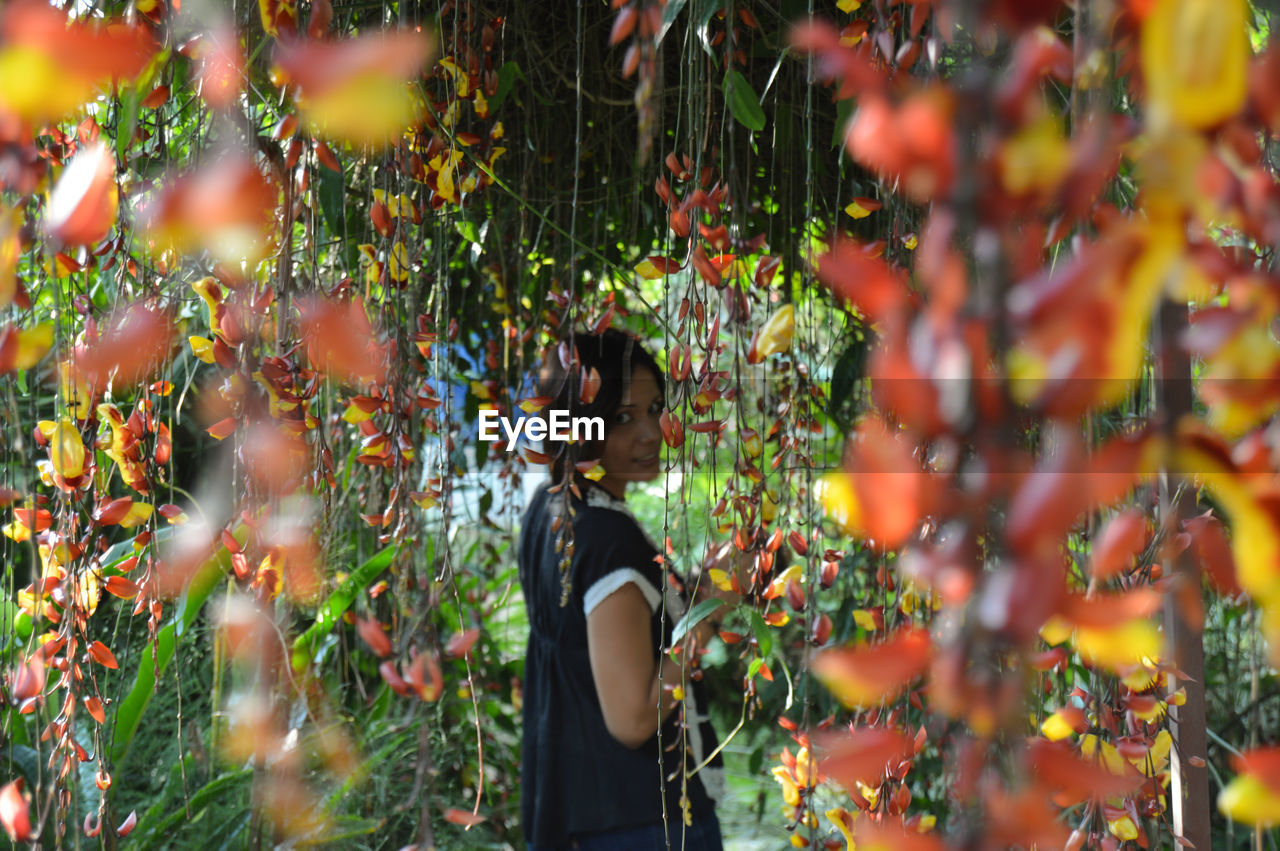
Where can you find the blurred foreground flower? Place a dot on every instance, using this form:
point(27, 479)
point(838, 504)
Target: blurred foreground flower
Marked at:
point(1253, 797)
point(359, 90)
point(863, 676)
point(14, 813)
point(49, 67)
point(83, 204)
point(1195, 56)
point(229, 209)
point(341, 340)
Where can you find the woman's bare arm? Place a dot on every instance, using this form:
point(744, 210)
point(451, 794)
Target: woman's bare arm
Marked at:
point(620, 644)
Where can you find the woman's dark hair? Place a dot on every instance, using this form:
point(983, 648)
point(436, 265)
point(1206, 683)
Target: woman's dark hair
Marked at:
point(614, 355)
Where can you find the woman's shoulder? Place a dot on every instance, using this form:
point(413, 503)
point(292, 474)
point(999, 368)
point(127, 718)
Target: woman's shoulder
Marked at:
point(601, 521)
point(602, 515)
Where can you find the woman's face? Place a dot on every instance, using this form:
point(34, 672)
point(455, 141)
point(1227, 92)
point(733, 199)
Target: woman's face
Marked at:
point(633, 443)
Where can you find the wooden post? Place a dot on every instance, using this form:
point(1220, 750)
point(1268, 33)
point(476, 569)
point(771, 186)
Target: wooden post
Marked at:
point(1189, 800)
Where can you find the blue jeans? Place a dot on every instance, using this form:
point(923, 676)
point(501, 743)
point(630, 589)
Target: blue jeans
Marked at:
point(702, 835)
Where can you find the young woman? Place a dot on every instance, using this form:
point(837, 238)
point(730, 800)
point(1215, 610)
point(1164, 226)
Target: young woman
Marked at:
point(611, 758)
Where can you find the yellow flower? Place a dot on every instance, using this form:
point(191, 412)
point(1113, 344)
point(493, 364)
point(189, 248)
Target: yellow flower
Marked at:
point(202, 348)
point(843, 820)
point(138, 514)
point(1255, 542)
point(779, 585)
point(368, 109)
point(1055, 630)
point(776, 334)
point(32, 345)
point(769, 505)
point(1195, 56)
point(1097, 750)
point(131, 470)
point(66, 450)
point(1055, 727)
point(1248, 799)
point(872, 794)
point(790, 793)
point(856, 210)
point(648, 271)
point(1156, 757)
point(1126, 645)
point(444, 165)
point(399, 266)
point(840, 501)
point(1141, 677)
point(355, 414)
point(720, 579)
point(806, 773)
point(1035, 158)
point(1123, 828)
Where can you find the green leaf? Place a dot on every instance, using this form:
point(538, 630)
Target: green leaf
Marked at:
point(8, 611)
point(702, 13)
point(330, 190)
point(777, 66)
point(12, 720)
point(844, 111)
point(693, 617)
point(467, 230)
point(756, 761)
point(215, 790)
point(846, 375)
point(127, 121)
point(332, 609)
point(157, 655)
point(764, 638)
point(367, 767)
point(507, 75)
point(742, 100)
point(349, 827)
point(669, 13)
point(26, 760)
point(124, 549)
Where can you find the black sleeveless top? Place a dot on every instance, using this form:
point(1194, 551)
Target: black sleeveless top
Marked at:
point(575, 777)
